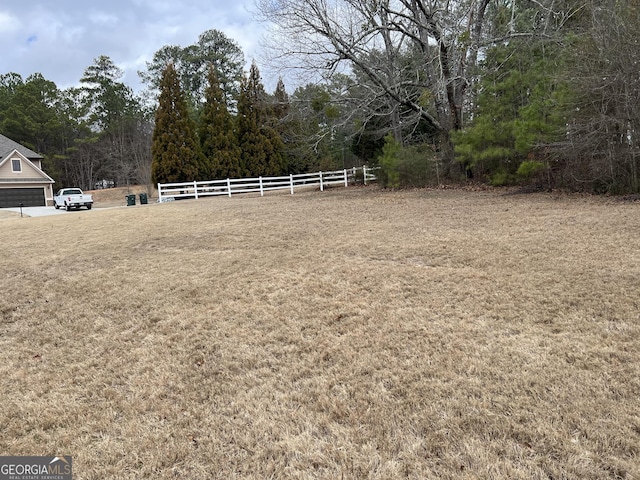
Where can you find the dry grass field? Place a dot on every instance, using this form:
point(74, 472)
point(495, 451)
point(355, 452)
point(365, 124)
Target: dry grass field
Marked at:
point(350, 334)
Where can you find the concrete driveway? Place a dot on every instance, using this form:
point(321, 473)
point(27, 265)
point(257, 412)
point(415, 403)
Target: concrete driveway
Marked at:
point(43, 211)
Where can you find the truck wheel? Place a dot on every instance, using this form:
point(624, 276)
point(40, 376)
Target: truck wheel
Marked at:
point(89, 207)
point(67, 207)
point(55, 205)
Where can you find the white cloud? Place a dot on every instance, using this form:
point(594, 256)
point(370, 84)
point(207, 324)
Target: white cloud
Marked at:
point(61, 39)
point(103, 18)
point(8, 23)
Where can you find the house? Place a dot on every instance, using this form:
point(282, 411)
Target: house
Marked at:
point(22, 181)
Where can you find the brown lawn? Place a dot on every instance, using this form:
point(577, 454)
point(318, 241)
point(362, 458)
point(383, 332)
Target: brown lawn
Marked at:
point(353, 334)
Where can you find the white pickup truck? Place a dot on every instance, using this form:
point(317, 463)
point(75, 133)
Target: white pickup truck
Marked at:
point(72, 198)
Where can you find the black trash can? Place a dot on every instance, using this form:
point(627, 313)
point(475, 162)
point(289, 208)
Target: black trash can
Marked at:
point(143, 199)
point(131, 200)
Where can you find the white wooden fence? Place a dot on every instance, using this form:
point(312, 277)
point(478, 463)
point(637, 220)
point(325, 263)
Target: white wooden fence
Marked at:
point(230, 186)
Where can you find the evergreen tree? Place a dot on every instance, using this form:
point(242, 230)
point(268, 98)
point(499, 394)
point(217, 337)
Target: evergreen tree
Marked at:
point(284, 126)
point(260, 143)
point(217, 135)
point(192, 64)
point(281, 104)
point(322, 130)
point(175, 149)
point(117, 121)
point(521, 105)
point(28, 112)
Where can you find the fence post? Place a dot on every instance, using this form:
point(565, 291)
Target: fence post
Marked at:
point(291, 182)
point(346, 180)
point(321, 184)
point(195, 188)
point(261, 189)
point(364, 173)
point(159, 193)
point(229, 186)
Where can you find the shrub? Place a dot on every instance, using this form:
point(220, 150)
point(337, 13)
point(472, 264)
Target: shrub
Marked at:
point(529, 168)
point(407, 167)
point(415, 167)
point(501, 178)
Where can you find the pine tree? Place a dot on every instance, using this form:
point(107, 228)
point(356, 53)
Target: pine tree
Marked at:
point(175, 149)
point(217, 135)
point(260, 143)
point(283, 124)
point(520, 105)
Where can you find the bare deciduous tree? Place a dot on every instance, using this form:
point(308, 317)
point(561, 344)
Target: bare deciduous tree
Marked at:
point(329, 35)
point(602, 147)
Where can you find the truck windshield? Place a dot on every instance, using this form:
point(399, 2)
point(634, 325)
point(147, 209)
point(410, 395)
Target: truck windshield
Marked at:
point(72, 192)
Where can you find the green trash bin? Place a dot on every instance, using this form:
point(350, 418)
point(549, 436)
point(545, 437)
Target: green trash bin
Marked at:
point(131, 200)
point(143, 199)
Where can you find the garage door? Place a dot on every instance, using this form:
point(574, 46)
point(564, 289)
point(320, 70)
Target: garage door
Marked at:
point(29, 197)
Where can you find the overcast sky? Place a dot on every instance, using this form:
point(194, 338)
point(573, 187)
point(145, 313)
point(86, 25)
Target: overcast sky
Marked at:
point(61, 38)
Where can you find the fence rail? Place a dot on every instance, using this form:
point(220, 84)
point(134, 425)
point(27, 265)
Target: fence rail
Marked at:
point(232, 186)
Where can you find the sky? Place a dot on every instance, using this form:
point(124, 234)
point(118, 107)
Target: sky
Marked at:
point(61, 38)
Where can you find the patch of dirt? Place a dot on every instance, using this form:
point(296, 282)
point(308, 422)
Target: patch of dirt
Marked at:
point(526, 190)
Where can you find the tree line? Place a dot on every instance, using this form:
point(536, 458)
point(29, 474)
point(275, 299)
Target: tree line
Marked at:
point(98, 130)
point(504, 91)
point(535, 92)
point(225, 123)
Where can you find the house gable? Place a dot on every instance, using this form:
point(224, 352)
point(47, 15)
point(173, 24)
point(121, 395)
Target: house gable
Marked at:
point(16, 168)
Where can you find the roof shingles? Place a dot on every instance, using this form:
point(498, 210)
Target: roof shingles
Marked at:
point(7, 146)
